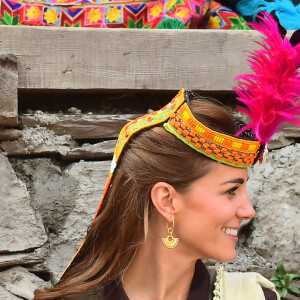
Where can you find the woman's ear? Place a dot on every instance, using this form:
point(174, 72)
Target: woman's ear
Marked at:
point(162, 195)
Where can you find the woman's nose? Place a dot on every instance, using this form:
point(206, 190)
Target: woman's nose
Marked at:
point(246, 210)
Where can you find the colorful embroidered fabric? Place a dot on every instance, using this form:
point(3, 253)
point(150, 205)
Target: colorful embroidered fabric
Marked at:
point(220, 147)
point(221, 17)
point(178, 119)
point(287, 11)
point(101, 13)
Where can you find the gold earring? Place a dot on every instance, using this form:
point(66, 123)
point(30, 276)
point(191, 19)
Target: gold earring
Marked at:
point(170, 241)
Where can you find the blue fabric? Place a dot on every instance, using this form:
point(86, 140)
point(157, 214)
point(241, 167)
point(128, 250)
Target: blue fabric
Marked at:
point(287, 12)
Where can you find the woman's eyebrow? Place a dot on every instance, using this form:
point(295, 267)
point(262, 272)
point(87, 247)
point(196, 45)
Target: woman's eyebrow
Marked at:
point(235, 180)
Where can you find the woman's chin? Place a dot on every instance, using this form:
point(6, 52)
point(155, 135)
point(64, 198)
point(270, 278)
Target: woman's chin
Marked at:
point(227, 257)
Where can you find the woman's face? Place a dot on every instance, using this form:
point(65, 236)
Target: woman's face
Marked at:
point(211, 212)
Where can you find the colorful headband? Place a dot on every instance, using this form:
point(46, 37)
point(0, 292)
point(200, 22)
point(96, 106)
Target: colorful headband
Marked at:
point(271, 94)
point(177, 118)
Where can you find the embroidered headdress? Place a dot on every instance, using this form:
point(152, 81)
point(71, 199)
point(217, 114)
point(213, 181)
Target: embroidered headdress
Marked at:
point(270, 94)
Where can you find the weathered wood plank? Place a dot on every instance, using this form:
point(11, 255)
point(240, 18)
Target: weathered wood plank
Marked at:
point(86, 58)
point(80, 126)
point(13, 148)
point(10, 134)
point(8, 90)
point(99, 151)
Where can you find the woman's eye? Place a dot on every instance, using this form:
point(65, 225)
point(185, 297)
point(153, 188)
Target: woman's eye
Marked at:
point(232, 190)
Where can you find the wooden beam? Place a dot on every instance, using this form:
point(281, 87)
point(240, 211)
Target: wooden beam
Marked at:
point(118, 59)
point(10, 134)
point(80, 126)
point(99, 151)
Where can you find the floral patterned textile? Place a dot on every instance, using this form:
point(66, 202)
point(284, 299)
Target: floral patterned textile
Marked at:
point(119, 13)
point(221, 17)
point(101, 13)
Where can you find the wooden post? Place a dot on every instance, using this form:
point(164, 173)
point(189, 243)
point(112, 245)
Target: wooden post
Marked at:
point(8, 90)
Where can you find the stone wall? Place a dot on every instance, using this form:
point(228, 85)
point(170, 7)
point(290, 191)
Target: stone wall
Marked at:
point(52, 181)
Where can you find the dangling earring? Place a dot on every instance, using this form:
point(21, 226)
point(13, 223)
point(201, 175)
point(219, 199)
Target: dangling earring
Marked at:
point(170, 241)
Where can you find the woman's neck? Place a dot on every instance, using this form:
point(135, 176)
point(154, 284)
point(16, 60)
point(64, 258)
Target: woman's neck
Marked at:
point(158, 273)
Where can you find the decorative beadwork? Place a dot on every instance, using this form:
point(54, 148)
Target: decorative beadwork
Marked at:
point(216, 145)
point(218, 291)
point(146, 121)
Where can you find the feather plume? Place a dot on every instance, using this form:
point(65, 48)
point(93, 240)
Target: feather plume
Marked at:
point(271, 94)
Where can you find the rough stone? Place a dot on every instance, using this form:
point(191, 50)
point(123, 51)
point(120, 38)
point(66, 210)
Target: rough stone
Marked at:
point(282, 139)
point(90, 178)
point(38, 141)
point(45, 119)
point(21, 227)
point(274, 189)
point(20, 282)
point(67, 201)
point(8, 90)
point(291, 130)
point(9, 260)
point(5, 295)
point(52, 191)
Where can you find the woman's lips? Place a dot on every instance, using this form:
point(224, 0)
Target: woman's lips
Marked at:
point(231, 233)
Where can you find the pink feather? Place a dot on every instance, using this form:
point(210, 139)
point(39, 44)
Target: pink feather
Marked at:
point(272, 92)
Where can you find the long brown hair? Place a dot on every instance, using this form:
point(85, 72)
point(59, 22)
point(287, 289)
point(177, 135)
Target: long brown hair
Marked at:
point(152, 156)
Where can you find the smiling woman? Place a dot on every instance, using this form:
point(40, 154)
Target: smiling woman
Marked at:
point(176, 194)
point(157, 180)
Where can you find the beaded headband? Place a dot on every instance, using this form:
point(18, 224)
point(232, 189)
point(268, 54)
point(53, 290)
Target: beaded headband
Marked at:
point(223, 148)
point(270, 94)
point(177, 118)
